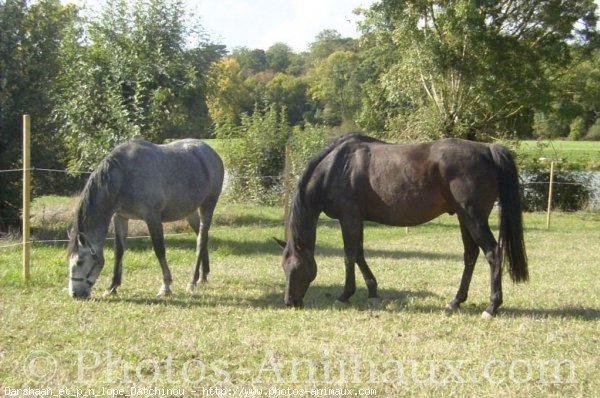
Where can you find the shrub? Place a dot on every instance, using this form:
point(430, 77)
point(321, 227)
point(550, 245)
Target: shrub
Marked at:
point(306, 143)
point(256, 156)
point(571, 190)
point(577, 129)
point(593, 133)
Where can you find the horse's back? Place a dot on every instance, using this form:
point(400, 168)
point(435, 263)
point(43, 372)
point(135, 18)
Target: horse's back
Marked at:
point(401, 184)
point(172, 179)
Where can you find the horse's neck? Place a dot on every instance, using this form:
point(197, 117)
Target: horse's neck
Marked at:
point(97, 218)
point(303, 226)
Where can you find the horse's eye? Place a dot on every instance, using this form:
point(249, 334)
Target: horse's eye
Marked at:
point(79, 263)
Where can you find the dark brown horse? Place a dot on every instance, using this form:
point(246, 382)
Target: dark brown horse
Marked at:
point(358, 178)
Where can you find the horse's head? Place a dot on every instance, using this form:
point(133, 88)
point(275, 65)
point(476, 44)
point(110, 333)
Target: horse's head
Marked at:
point(85, 264)
point(300, 270)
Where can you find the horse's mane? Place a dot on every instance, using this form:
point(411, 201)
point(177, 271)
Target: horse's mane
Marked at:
point(98, 184)
point(299, 208)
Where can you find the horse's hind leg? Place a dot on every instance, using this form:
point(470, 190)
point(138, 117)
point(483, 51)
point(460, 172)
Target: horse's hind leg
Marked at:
point(370, 280)
point(204, 217)
point(158, 242)
point(470, 258)
point(481, 233)
point(121, 229)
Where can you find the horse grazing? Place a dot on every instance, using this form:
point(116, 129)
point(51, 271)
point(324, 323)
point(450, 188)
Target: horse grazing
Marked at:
point(358, 178)
point(142, 181)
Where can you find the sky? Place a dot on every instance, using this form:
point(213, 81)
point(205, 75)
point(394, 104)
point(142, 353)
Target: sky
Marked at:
point(261, 23)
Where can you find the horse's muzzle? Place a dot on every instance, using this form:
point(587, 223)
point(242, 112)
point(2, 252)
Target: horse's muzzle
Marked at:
point(81, 294)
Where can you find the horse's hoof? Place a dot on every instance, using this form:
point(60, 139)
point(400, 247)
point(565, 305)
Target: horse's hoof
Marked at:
point(452, 306)
point(340, 304)
point(164, 292)
point(110, 292)
point(486, 315)
point(191, 289)
point(374, 302)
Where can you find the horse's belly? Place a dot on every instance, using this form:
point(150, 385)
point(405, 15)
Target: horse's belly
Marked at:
point(406, 210)
point(402, 217)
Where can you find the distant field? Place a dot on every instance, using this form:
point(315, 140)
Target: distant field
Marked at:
point(235, 332)
point(586, 153)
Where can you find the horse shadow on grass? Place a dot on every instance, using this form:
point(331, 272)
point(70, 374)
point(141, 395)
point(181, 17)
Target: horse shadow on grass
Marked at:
point(238, 247)
point(322, 297)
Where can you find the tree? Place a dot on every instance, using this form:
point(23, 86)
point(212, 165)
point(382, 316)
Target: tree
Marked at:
point(251, 61)
point(227, 96)
point(279, 57)
point(130, 78)
point(575, 104)
point(335, 83)
point(290, 93)
point(30, 36)
point(329, 41)
point(472, 68)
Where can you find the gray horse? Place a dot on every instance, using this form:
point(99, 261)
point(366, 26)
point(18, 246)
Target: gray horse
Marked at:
point(139, 180)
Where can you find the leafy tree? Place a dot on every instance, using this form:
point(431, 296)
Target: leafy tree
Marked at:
point(329, 41)
point(127, 80)
point(279, 57)
point(197, 121)
point(227, 96)
point(575, 104)
point(30, 35)
point(472, 68)
point(335, 82)
point(290, 93)
point(299, 64)
point(250, 61)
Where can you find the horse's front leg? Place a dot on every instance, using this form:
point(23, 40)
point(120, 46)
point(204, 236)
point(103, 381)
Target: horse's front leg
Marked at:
point(158, 242)
point(121, 229)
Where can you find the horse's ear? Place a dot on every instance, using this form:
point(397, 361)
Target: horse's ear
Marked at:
point(280, 242)
point(69, 234)
point(81, 239)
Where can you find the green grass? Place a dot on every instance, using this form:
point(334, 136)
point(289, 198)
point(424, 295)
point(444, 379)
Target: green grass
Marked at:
point(574, 154)
point(236, 332)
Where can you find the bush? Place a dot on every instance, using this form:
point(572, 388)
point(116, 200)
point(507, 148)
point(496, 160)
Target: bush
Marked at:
point(255, 157)
point(593, 133)
point(577, 129)
point(571, 190)
point(306, 143)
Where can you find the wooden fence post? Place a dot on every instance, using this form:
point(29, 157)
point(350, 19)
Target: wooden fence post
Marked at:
point(550, 195)
point(26, 196)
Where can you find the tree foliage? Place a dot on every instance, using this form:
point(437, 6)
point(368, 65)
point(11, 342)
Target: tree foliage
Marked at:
point(227, 96)
point(129, 81)
point(472, 68)
point(30, 36)
point(335, 82)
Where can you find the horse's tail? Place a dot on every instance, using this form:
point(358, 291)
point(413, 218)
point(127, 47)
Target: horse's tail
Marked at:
point(511, 222)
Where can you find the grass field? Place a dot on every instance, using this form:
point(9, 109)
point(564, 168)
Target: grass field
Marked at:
point(236, 334)
point(582, 154)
